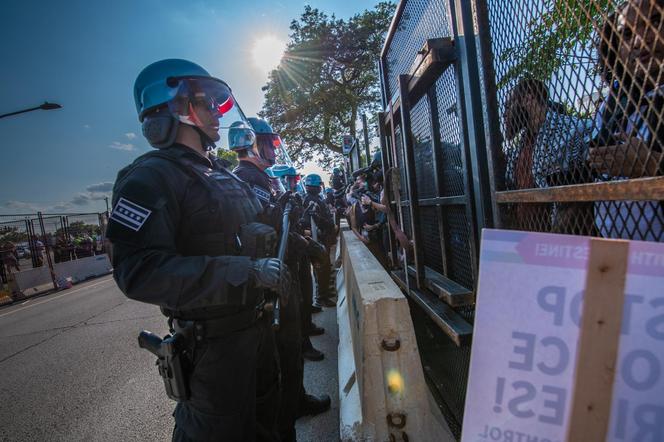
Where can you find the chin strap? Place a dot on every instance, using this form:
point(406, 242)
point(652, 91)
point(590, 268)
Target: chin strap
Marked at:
point(206, 142)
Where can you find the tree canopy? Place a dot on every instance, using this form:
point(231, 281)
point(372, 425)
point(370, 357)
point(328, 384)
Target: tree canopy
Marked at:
point(326, 79)
point(229, 156)
point(553, 37)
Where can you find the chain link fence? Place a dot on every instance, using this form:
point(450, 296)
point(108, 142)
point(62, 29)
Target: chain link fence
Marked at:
point(539, 115)
point(28, 241)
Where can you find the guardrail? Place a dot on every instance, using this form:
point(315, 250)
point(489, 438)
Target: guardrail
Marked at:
point(382, 389)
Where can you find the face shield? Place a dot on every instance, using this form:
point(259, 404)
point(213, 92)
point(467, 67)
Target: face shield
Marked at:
point(272, 149)
point(291, 182)
point(277, 186)
point(208, 104)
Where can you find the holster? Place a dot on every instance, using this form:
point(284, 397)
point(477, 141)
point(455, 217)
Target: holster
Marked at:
point(173, 360)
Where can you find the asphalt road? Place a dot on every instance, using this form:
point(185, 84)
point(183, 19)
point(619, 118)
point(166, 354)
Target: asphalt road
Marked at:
point(71, 369)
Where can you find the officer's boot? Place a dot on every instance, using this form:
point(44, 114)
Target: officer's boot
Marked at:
point(309, 352)
point(311, 405)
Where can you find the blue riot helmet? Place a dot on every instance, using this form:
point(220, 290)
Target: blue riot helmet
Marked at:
point(313, 180)
point(313, 183)
point(282, 170)
point(260, 126)
point(171, 92)
point(241, 137)
point(289, 176)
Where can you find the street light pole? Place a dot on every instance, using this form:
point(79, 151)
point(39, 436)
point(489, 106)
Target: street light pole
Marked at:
point(45, 106)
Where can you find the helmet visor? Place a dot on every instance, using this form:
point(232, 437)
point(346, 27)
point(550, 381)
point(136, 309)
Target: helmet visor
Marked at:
point(280, 151)
point(277, 186)
point(291, 182)
point(206, 103)
point(266, 147)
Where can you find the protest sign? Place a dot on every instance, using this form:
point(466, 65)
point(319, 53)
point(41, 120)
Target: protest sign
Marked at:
point(524, 354)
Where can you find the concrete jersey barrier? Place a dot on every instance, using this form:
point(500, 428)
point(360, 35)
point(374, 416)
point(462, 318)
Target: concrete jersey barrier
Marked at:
point(382, 389)
point(77, 270)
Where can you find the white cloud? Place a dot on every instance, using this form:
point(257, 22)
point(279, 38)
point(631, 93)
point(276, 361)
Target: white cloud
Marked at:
point(106, 186)
point(20, 205)
point(121, 146)
point(130, 135)
point(94, 192)
point(61, 207)
point(81, 199)
point(87, 126)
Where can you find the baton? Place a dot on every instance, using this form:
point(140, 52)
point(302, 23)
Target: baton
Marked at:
point(314, 228)
point(281, 254)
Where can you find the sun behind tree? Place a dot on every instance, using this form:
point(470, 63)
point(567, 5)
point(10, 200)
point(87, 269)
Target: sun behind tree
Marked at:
point(327, 78)
point(266, 52)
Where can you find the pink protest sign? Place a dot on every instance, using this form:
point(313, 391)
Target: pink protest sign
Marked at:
point(529, 300)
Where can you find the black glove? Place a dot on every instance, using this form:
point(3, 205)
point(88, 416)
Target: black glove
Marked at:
point(315, 250)
point(311, 209)
point(271, 215)
point(272, 274)
point(283, 199)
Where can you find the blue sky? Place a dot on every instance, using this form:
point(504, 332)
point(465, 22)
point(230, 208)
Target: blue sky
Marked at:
point(85, 55)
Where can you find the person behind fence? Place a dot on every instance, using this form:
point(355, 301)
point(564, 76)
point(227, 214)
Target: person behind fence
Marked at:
point(178, 216)
point(9, 259)
point(551, 151)
point(352, 193)
point(629, 132)
point(365, 221)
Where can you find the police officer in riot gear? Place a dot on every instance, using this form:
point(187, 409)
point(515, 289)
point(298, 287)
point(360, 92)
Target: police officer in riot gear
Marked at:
point(177, 218)
point(251, 168)
point(324, 222)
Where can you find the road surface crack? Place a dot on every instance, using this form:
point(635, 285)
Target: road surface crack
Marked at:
point(62, 330)
point(79, 325)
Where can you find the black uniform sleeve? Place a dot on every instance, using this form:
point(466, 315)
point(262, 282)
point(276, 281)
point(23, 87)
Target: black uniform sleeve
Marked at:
point(147, 265)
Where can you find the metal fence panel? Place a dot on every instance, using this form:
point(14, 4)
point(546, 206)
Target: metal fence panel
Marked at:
point(571, 96)
point(446, 227)
point(35, 240)
point(579, 93)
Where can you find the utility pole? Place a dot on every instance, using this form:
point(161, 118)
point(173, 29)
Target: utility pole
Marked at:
point(106, 199)
point(366, 139)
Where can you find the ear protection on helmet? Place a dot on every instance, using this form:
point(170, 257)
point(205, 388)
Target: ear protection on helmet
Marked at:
point(160, 129)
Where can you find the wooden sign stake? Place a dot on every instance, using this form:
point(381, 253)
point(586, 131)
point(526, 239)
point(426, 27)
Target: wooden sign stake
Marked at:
point(599, 337)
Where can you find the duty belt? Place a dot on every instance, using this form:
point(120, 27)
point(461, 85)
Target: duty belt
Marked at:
point(214, 328)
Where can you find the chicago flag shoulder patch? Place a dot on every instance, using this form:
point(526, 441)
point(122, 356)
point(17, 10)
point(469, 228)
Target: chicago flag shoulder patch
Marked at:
point(130, 214)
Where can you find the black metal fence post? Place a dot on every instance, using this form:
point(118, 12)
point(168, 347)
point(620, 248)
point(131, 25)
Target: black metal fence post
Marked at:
point(386, 189)
point(32, 243)
point(494, 142)
point(413, 196)
point(47, 249)
point(471, 108)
